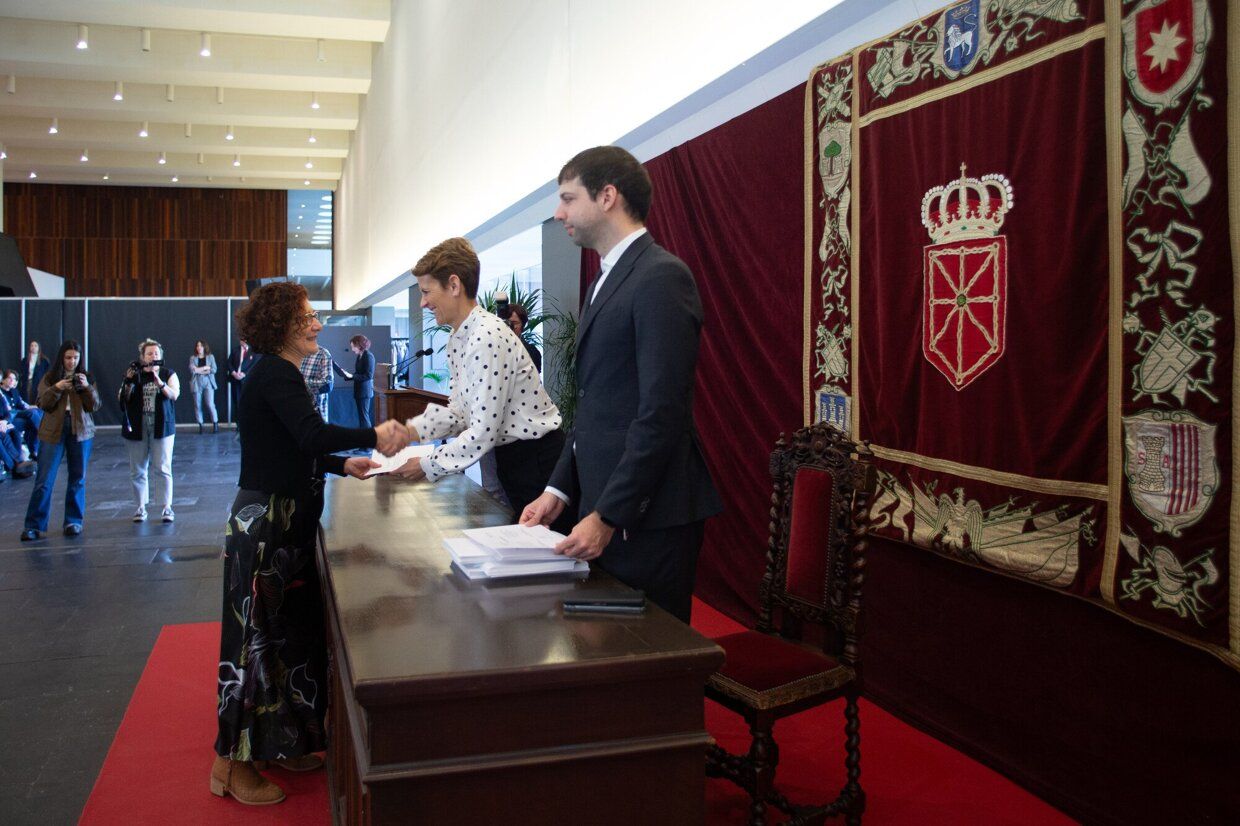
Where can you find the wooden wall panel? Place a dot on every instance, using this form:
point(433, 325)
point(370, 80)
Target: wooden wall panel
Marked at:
point(149, 241)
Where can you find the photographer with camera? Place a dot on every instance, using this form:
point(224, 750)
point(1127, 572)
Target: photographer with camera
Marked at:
point(67, 397)
point(149, 425)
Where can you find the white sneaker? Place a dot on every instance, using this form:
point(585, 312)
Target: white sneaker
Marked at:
point(168, 515)
point(139, 515)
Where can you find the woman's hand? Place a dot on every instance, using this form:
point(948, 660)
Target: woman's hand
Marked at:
point(358, 466)
point(64, 384)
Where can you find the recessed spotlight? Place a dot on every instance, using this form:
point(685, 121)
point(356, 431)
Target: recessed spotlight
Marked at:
point(3, 154)
point(145, 131)
point(228, 134)
point(34, 174)
point(163, 158)
point(236, 160)
point(200, 158)
point(146, 40)
point(306, 182)
point(189, 130)
point(322, 55)
point(175, 179)
point(170, 93)
point(85, 156)
point(83, 41)
point(205, 45)
point(119, 93)
point(107, 177)
point(312, 138)
point(309, 164)
point(219, 94)
point(314, 100)
point(11, 88)
point(55, 127)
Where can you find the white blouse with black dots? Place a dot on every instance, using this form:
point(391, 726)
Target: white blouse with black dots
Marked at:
point(495, 397)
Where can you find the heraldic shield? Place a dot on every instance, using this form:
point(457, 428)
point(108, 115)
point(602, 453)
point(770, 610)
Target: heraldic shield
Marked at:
point(964, 304)
point(1170, 466)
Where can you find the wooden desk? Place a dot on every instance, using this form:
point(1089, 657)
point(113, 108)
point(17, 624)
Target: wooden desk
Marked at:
point(461, 702)
point(404, 403)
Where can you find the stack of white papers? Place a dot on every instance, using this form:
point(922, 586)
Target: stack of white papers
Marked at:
point(388, 464)
point(508, 551)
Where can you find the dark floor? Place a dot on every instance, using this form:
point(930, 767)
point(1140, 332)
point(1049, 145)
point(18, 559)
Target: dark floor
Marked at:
point(80, 616)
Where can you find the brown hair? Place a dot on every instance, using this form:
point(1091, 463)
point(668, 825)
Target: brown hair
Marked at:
point(271, 315)
point(360, 341)
point(206, 348)
point(455, 256)
point(518, 310)
point(605, 165)
point(8, 373)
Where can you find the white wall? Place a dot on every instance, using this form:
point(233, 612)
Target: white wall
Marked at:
point(475, 105)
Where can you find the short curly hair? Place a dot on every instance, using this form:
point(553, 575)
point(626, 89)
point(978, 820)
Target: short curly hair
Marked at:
point(271, 315)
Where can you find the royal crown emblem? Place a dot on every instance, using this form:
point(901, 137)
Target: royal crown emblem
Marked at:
point(964, 309)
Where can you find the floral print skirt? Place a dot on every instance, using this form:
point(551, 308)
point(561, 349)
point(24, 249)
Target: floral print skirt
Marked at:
point(272, 687)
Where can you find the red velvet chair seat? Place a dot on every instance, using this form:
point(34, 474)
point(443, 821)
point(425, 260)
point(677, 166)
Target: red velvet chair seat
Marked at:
point(765, 672)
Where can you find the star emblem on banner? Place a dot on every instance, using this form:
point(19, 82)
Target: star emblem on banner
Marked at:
point(1164, 45)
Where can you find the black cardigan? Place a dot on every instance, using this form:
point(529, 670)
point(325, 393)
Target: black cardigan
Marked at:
point(285, 444)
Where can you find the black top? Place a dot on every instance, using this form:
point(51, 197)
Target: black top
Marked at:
point(285, 444)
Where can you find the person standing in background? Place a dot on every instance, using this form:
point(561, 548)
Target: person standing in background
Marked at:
point(148, 397)
point(240, 362)
point(633, 467)
point(67, 397)
point(363, 378)
point(34, 368)
point(202, 384)
point(516, 317)
point(317, 370)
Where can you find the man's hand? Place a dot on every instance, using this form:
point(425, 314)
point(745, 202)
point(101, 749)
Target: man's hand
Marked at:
point(357, 466)
point(542, 511)
point(411, 470)
point(588, 539)
point(391, 437)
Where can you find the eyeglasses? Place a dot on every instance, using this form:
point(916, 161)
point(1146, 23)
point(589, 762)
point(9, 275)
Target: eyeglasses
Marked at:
point(313, 315)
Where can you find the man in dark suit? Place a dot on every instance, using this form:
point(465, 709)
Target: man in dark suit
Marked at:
point(240, 362)
point(632, 466)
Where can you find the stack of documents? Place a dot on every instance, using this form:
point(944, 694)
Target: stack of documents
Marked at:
point(510, 550)
point(388, 464)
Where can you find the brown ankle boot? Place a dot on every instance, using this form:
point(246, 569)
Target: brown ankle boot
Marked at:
point(240, 779)
point(305, 763)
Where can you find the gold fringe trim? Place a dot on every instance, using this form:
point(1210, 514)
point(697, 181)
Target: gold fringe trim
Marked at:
point(854, 255)
point(807, 344)
point(1017, 64)
point(1114, 101)
point(1055, 487)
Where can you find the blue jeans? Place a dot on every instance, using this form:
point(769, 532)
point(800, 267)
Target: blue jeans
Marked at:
point(75, 494)
point(27, 422)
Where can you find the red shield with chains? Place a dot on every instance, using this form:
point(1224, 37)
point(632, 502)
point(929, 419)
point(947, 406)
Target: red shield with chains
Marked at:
point(964, 307)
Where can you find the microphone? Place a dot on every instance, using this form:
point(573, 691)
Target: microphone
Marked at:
point(405, 365)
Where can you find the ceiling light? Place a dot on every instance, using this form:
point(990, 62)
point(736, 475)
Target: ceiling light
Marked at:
point(299, 226)
point(189, 130)
point(12, 86)
point(299, 217)
point(119, 94)
point(312, 138)
point(306, 182)
point(309, 164)
point(322, 57)
point(175, 179)
point(55, 127)
point(145, 131)
point(163, 157)
point(314, 100)
point(219, 94)
point(205, 49)
point(200, 158)
point(146, 40)
point(3, 154)
point(82, 42)
point(170, 93)
point(303, 206)
point(107, 177)
point(236, 160)
point(34, 174)
point(228, 135)
point(85, 156)
point(326, 198)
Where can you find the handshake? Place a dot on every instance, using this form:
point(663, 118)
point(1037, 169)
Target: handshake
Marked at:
point(392, 437)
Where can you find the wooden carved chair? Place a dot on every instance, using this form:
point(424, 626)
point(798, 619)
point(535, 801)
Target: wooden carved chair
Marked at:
point(815, 558)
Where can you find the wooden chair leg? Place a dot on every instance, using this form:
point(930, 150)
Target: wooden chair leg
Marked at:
point(852, 761)
point(763, 758)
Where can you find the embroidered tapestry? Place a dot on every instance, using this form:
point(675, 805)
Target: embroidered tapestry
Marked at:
point(1020, 290)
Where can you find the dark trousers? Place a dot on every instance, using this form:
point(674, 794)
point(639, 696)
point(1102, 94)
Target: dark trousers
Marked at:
point(662, 562)
point(234, 397)
point(523, 468)
point(363, 411)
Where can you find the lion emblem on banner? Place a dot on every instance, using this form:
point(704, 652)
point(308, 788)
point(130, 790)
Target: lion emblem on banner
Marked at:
point(964, 309)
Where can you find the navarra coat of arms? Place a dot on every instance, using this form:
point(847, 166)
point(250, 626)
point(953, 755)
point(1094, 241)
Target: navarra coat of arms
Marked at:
point(1171, 467)
point(964, 305)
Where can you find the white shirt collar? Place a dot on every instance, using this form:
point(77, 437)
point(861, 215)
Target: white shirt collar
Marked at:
point(614, 254)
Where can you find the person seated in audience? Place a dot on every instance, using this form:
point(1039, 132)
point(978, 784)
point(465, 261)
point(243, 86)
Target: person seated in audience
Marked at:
point(516, 317)
point(25, 417)
point(11, 463)
point(67, 397)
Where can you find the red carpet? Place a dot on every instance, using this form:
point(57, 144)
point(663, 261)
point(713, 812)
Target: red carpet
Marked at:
point(156, 770)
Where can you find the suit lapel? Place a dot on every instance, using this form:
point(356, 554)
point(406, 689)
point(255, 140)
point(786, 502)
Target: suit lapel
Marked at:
point(622, 270)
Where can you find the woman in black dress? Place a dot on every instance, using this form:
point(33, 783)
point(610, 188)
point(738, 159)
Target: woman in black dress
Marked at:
point(272, 684)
